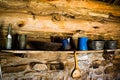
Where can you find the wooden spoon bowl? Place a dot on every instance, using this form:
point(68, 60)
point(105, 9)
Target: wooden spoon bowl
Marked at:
point(76, 73)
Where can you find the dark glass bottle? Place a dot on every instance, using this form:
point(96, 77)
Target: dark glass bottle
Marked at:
point(9, 37)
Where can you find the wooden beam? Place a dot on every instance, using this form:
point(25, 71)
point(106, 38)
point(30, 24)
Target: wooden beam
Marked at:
point(38, 52)
point(13, 69)
point(65, 25)
point(75, 7)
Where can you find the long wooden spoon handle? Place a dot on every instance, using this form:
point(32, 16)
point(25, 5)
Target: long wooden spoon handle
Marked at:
point(76, 61)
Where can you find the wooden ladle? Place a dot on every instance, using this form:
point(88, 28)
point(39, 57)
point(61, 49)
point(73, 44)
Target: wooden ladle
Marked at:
point(76, 73)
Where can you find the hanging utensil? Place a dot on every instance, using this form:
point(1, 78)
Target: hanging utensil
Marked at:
point(76, 73)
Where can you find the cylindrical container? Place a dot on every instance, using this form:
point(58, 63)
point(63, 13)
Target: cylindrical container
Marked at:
point(111, 44)
point(22, 41)
point(9, 37)
point(96, 44)
point(65, 44)
point(82, 43)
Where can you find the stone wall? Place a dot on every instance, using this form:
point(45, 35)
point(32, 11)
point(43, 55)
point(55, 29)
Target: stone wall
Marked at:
point(51, 65)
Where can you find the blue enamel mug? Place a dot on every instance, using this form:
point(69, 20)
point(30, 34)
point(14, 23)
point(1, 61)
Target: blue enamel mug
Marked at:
point(82, 43)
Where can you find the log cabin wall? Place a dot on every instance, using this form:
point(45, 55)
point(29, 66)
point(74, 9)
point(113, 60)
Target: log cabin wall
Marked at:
point(41, 20)
point(60, 18)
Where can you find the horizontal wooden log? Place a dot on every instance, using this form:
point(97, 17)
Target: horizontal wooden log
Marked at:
point(38, 51)
point(76, 7)
point(45, 24)
point(13, 69)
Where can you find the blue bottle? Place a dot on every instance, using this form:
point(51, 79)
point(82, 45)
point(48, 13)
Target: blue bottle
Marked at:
point(82, 43)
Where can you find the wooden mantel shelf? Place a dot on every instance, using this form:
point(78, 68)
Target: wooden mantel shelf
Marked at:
point(39, 51)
